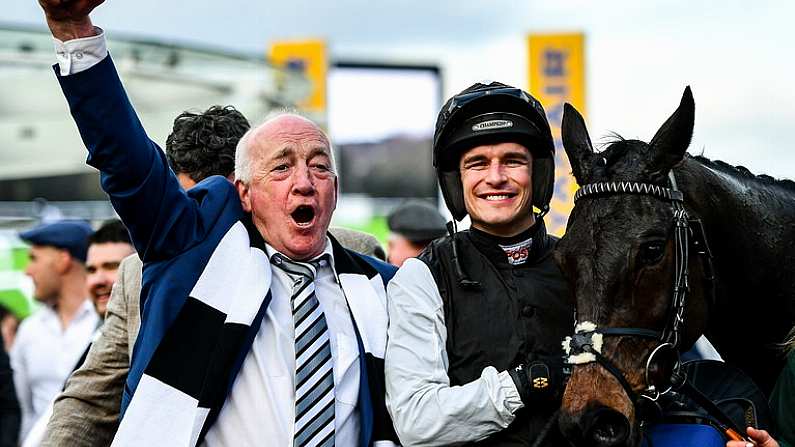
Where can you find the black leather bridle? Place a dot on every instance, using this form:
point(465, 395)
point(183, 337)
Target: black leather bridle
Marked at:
point(585, 345)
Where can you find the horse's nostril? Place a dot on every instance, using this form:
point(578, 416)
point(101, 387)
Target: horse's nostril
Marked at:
point(608, 428)
point(608, 432)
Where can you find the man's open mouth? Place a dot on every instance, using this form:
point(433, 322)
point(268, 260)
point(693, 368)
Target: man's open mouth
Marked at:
point(303, 215)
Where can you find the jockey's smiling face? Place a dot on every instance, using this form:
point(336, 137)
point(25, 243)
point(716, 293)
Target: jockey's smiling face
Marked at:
point(498, 188)
point(289, 184)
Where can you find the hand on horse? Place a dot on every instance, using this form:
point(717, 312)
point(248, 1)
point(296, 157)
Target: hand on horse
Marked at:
point(760, 437)
point(539, 380)
point(68, 19)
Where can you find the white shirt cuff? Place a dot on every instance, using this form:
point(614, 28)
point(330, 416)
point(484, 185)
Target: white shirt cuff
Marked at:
point(513, 401)
point(78, 55)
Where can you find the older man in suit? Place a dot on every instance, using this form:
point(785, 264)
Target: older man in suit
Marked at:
point(87, 412)
point(256, 324)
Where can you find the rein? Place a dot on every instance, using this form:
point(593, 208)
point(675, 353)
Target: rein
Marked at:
point(585, 346)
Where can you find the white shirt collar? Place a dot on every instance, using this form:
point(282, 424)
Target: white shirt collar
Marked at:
point(327, 250)
point(85, 309)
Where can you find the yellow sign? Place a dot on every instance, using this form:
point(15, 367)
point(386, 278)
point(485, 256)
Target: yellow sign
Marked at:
point(557, 76)
point(308, 57)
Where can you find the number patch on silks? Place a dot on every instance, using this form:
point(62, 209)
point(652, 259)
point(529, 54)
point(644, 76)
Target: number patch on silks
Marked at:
point(539, 376)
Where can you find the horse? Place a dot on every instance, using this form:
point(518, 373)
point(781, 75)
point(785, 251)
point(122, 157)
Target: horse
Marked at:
point(661, 247)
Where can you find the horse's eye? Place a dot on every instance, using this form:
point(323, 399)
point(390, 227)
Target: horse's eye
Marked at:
point(651, 252)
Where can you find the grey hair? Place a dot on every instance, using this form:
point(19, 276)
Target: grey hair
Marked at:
point(242, 157)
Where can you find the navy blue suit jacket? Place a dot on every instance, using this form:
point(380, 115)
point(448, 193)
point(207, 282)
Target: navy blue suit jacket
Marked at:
point(175, 232)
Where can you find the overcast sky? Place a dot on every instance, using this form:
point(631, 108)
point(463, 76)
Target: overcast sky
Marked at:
point(737, 56)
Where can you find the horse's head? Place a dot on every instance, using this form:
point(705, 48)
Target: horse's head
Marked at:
point(620, 257)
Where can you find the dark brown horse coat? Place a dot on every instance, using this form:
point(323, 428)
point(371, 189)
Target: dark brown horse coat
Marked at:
point(618, 254)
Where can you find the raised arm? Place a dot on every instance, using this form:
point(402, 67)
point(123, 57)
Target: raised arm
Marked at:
point(69, 19)
point(161, 218)
point(87, 412)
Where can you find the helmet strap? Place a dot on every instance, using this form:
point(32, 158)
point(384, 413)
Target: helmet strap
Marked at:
point(543, 212)
point(461, 276)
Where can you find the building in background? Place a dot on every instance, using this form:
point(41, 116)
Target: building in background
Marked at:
point(380, 120)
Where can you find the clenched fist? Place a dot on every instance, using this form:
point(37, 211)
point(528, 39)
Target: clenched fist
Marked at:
point(68, 19)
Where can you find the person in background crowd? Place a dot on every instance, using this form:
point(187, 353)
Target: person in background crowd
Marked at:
point(413, 225)
point(49, 342)
point(107, 247)
point(201, 145)
point(359, 242)
point(228, 271)
point(10, 414)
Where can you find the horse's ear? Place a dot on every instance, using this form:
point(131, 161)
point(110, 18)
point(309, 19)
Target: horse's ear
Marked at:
point(672, 139)
point(577, 143)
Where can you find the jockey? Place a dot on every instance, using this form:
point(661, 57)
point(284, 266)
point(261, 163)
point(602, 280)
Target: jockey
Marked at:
point(473, 347)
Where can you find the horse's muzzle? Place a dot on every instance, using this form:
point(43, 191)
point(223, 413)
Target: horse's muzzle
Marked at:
point(596, 427)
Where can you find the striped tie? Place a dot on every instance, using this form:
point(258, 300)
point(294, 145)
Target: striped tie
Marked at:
point(314, 376)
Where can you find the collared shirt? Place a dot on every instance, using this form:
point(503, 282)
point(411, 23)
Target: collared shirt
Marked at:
point(78, 55)
point(261, 407)
point(44, 355)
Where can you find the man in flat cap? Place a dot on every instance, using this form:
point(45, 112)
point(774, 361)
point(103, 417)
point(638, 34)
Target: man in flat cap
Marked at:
point(413, 225)
point(49, 342)
point(359, 241)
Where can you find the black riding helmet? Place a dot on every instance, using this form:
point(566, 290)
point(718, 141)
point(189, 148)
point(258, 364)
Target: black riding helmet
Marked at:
point(491, 114)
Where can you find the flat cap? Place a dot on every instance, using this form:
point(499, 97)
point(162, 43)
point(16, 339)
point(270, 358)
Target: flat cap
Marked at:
point(417, 221)
point(358, 241)
point(70, 235)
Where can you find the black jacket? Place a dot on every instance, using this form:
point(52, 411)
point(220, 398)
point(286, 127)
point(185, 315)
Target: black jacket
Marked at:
point(512, 314)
